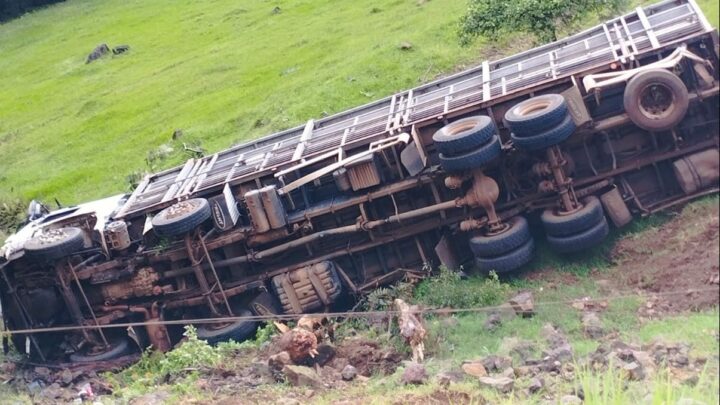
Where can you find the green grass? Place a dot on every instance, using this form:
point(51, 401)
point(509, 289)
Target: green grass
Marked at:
point(222, 71)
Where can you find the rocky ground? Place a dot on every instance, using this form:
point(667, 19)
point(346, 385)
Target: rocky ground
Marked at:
point(643, 328)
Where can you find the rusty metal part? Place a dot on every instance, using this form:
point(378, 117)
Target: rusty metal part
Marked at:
point(197, 267)
point(274, 210)
point(484, 193)
point(562, 182)
point(157, 332)
point(87, 303)
point(455, 181)
point(69, 298)
point(141, 284)
point(547, 186)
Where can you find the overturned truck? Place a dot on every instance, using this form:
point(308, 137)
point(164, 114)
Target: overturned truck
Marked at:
point(575, 136)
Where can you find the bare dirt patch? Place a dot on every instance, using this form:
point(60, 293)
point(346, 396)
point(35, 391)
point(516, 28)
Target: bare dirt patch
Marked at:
point(681, 256)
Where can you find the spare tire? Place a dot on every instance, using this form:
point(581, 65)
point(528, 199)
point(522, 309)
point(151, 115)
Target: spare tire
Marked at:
point(536, 114)
point(55, 243)
point(464, 135)
point(181, 218)
point(656, 100)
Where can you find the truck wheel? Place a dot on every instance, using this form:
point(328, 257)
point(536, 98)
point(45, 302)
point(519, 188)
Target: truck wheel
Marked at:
point(473, 159)
point(512, 238)
point(550, 137)
point(509, 261)
point(560, 225)
point(182, 217)
point(463, 135)
point(55, 243)
point(656, 100)
point(116, 348)
point(238, 331)
point(536, 114)
point(581, 241)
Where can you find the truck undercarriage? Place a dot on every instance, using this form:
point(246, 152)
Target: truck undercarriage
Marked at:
point(575, 136)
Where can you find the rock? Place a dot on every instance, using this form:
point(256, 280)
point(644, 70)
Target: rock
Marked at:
point(415, 374)
point(276, 10)
point(523, 371)
point(592, 325)
point(348, 373)
point(570, 400)
point(97, 53)
point(35, 387)
point(554, 338)
point(446, 377)
point(405, 46)
point(120, 49)
point(561, 353)
point(277, 361)
point(523, 304)
point(67, 377)
point(177, 134)
point(261, 368)
point(634, 371)
point(301, 376)
point(508, 372)
point(42, 372)
point(492, 322)
point(502, 384)
point(52, 391)
point(536, 384)
point(474, 368)
point(495, 363)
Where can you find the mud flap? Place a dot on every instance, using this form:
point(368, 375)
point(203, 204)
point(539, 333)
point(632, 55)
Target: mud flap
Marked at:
point(448, 253)
point(576, 106)
point(411, 159)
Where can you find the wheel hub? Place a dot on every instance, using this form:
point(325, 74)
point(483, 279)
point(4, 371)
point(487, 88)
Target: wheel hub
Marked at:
point(180, 209)
point(656, 101)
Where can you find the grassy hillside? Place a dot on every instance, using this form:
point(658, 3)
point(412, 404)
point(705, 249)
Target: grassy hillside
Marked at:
point(222, 71)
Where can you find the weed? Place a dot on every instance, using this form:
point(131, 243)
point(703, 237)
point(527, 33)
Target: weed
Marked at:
point(449, 289)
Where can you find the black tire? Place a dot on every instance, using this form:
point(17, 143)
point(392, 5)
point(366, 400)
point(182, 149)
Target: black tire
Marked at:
point(118, 347)
point(561, 225)
point(181, 218)
point(550, 137)
point(495, 245)
point(581, 241)
point(264, 304)
point(237, 330)
point(464, 135)
point(509, 261)
point(536, 114)
point(55, 243)
point(474, 159)
point(665, 92)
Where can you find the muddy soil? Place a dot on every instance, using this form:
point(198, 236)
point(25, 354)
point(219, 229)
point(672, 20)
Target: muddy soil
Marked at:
point(681, 256)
